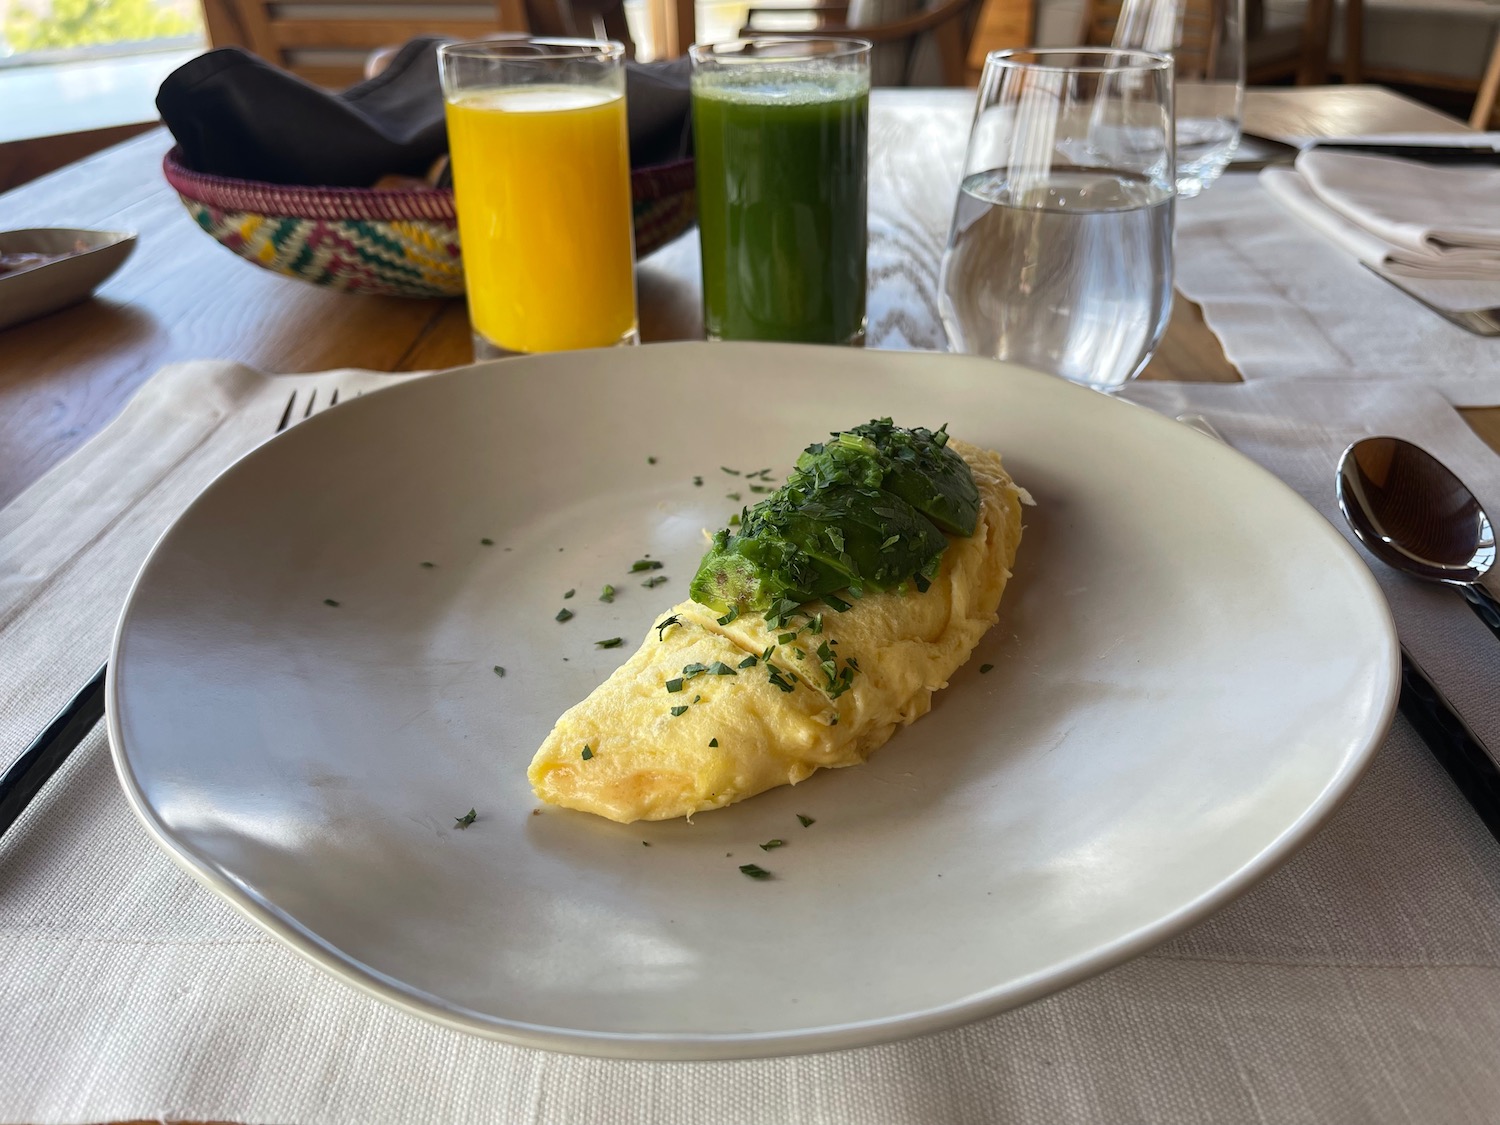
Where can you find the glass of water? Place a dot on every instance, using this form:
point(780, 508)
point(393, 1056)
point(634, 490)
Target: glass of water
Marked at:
point(1206, 39)
point(1060, 252)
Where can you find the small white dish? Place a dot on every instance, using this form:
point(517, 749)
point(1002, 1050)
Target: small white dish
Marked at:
point(89, 258)
point(1190, 671)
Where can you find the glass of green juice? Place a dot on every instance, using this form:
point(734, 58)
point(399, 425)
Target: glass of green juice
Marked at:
point(780, 129)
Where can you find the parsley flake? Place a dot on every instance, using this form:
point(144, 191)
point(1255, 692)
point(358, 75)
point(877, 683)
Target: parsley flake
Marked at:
point(330, 601)
point(769, 844)
point(487, 542)
point(749, 661)
point(735, 496)
point(499, 671)
point(786, 638)
point(754, 871)
point(983, 668)
point(731, 472)
point(678, 710)
point(564, 615)
point(719, 668)
point(734, 611)
point(806, 821)
point(645, 564)
point(428, 565)
point(654, 581)
point(587, 752)
point(663, 626)
point(607, 594)
point(674, 685)
point(650, 460)
point(569, 594)
point(698, 482)
point(612, 642)
point(713, 742)
point(467, 819)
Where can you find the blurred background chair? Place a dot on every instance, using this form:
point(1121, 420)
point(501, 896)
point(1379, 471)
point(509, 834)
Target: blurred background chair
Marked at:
point(914, 45)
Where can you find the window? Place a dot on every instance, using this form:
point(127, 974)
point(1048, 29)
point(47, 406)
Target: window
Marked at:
point(42, 31)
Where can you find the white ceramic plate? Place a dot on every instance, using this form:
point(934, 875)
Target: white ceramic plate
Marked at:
point(1190, 671)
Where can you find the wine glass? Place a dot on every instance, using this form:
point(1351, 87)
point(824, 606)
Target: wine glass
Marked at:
point(1060, 252)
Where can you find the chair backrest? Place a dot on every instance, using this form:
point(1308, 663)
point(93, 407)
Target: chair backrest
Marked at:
point(1185, 28)
point(327, 41)
point(944, 27)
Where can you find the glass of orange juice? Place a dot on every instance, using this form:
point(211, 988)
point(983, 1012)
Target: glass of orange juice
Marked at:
point(541, 177)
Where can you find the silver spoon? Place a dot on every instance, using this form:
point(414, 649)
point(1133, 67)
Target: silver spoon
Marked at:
point(1413, 514)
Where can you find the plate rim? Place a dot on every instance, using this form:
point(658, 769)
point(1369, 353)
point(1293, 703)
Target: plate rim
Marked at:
point(723, 1046)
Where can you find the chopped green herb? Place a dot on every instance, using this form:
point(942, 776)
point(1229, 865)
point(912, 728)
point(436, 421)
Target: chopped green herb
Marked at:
point(663, 626)
point(645, 843)
point(674, 685)
point(734, 520)
point(569, 594)
point(734, 611)
point(836, 537)
point(713, 742)
point(799, 653)
point(735, 496)
point(650, 460)
point(499, 671)
point(464, 821)
point(983, 668)
point(330, 601)
point(754, 871)
point(487, 542)
point(786, 638)
point(836, 603)
point(719, 668)
point(698, 482)
point(697, 698)
point(774, 676)
point(564, 615)
point(428, 565)
point(678, 710)
point(654, 581)
point(645, 564)
point(816, 625)
point(749, 661)
point(766, 656)
point(731, 472)
point(761, 488)
point(607, 594)
point(694, 669)
point(891, 542)
point(587, 752)
point(922, 584)
point(769, 844)
point(612, 642)
point(806, 821)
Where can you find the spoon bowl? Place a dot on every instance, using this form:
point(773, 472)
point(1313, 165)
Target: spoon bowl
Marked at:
point(1413, 514)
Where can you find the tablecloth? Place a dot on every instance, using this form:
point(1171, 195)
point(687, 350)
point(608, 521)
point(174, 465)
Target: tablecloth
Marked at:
point(1359, 983)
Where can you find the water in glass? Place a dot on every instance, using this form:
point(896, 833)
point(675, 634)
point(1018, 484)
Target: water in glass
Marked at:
point(1071, 275)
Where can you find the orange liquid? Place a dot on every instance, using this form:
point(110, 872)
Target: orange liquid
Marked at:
point(541, 176)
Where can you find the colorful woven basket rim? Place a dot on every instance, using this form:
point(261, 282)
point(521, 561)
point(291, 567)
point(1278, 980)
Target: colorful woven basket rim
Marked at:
point(340, 203)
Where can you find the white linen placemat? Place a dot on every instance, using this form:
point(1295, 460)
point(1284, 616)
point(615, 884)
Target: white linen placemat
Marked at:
point(1284, 302)
point(1359, 983)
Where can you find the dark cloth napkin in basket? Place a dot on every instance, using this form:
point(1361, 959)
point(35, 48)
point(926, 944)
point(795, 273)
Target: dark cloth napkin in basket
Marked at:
point(234, 114)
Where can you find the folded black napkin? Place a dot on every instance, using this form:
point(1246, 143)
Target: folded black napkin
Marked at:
point(234, 114)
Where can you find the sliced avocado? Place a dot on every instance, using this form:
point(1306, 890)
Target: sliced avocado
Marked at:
point(923, 471)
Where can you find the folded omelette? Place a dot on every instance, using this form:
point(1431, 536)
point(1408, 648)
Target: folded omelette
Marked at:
point(812, 636)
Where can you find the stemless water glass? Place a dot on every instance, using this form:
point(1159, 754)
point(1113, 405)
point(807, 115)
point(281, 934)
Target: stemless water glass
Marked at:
point(1206, 39)
point(780, 137)
point(541, 179)
point(1060, 252)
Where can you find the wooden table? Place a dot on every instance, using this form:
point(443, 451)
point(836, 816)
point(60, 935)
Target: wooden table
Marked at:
point(182, 297)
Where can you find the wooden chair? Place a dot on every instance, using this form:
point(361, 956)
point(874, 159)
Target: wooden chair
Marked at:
point(1489, 88)
point(328, 42)
point(950, 24)
point(1302, 54)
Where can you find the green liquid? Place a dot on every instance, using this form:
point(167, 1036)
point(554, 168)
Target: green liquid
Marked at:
point(781, 206)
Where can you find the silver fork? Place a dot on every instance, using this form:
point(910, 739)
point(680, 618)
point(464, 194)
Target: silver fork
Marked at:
point(50, 749)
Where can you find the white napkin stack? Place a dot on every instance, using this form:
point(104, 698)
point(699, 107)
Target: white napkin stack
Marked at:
point(1414, 219)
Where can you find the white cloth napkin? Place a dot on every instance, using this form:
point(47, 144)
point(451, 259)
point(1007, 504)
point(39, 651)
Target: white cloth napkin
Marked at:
point(1286, 303)
point(1436, 220)
point(1359, 983)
